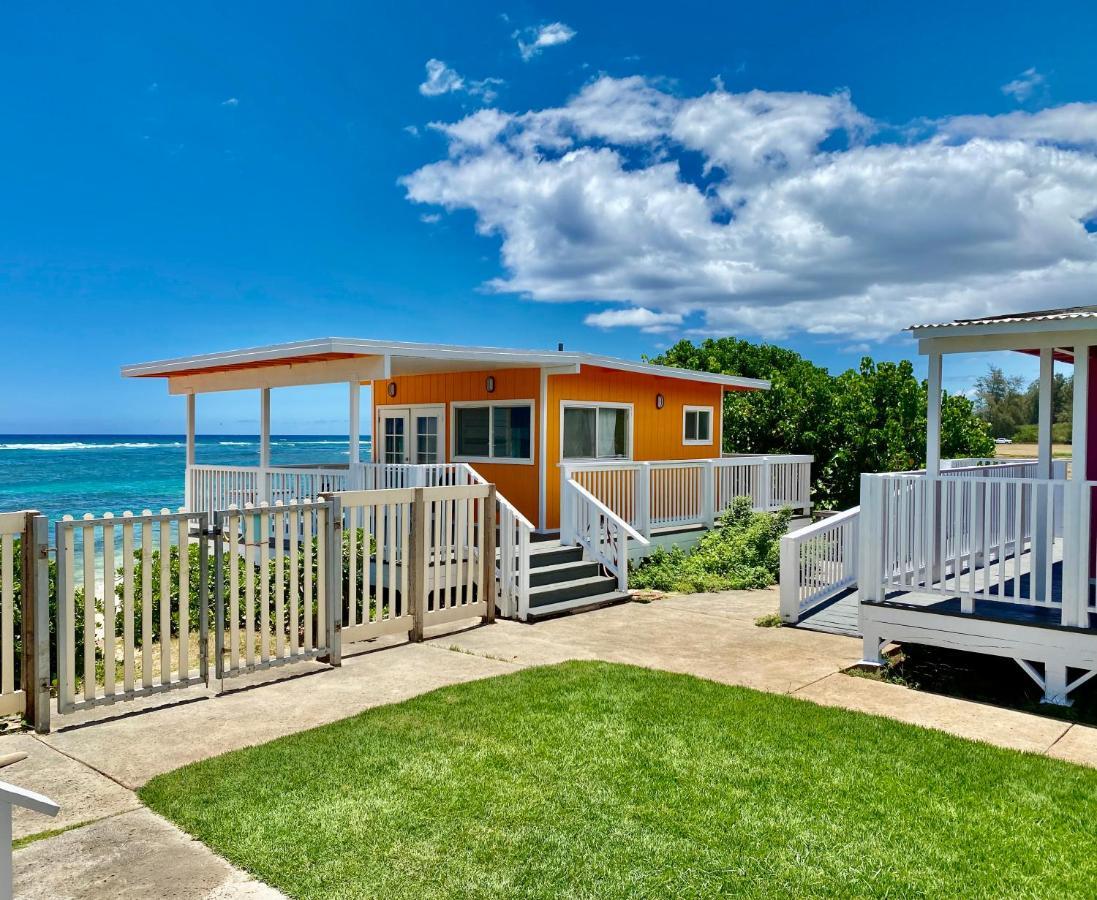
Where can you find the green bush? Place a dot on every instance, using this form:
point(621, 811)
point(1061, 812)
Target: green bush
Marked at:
point(742, 552)
point(1025, 434)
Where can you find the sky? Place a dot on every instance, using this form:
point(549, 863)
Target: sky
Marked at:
point(185, 178)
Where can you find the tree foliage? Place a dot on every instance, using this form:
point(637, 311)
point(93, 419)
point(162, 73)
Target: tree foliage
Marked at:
point(1011, 409)
point(868, 419)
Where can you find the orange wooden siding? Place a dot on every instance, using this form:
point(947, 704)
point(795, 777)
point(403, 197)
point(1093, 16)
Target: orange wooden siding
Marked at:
point(656, 433)
point(518, 482)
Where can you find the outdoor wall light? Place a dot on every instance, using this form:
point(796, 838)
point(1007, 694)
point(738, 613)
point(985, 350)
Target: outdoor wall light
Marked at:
point(491, 384)
point(392, 388)
point(660, 400)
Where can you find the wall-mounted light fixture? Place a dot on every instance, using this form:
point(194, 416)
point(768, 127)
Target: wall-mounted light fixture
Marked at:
point(392, 388)
point(490, 384)
point(660, 401)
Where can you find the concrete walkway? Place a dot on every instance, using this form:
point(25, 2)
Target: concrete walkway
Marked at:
point(93, 763)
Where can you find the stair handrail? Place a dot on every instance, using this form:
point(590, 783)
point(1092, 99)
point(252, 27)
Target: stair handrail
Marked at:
point(601, 533)
point(512, 563)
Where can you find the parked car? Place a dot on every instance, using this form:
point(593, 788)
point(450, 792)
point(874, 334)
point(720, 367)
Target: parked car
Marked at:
point(1003, 440)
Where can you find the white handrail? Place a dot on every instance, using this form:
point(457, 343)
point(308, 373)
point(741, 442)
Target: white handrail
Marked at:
point(818, 562)
point(513, 564)
point(602, 534)
point(11, 796)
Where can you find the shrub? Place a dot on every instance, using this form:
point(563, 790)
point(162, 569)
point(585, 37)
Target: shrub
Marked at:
point(742, 552)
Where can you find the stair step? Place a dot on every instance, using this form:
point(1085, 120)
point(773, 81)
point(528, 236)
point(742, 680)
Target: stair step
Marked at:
point(547, 594)
point(567, 607)
point(553, 555)
point(565, 571)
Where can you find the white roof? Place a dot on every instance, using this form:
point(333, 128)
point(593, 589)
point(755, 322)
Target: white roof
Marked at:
point(1071, 314)
point(405, 358)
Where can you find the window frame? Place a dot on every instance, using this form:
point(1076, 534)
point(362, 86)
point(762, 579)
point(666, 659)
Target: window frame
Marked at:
point(491, 458)
point(598, 404)
point(697, 442)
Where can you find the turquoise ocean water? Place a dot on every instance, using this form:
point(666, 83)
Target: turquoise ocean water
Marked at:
point(78, 473)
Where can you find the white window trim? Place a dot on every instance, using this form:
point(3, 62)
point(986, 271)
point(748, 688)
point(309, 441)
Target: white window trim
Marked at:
point(597, 404)
point(498, 460)
point(711, 426)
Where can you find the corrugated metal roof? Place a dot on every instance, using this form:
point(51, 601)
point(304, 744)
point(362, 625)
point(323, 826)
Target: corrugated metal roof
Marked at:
point(1043, 315)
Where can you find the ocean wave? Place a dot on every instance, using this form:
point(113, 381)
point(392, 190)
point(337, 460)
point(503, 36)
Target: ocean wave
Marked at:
point(79, 445)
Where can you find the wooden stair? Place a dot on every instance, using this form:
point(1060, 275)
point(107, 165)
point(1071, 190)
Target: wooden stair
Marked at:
point(562, 582)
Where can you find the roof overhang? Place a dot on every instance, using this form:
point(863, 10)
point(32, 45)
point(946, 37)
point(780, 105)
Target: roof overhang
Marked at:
point(1057, 330)
point(331, 360)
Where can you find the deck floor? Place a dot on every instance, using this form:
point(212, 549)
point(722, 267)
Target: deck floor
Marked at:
point(839, 615)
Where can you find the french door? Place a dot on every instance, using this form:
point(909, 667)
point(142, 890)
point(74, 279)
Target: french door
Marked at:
point(411, 435)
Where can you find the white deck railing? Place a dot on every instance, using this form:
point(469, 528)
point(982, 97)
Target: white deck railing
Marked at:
point(817, 563)
point(974, 537)
point(211, 488)
point(676, 493)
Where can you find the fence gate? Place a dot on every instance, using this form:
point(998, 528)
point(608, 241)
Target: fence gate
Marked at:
point(132, 604)
point(273, 586)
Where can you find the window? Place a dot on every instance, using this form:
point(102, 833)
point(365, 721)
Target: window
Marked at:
point(426, 439)
point(697, 425)
point(498, 431)
point(596, 432)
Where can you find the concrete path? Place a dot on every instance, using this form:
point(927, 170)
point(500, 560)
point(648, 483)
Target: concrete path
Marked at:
point(92, 764)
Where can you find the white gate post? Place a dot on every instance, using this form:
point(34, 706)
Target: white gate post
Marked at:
point(567, 525)
point(264, 446)
point(789, 583)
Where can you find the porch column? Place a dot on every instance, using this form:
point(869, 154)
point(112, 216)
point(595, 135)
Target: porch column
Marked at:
point(355, 416)
point(188, 497)
point(1076, 526)
point(1041, 539)
point(1043, 432)
point(264, 444)
point(933, 415)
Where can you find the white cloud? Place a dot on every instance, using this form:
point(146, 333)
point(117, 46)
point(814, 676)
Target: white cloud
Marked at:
point(644, 319)
point(1073, 124)
point(232, 101)
point(441, 79)
point(1024, 85)
point(770, 213)
point(413, 130)
point(531, 41)
point(430, 218)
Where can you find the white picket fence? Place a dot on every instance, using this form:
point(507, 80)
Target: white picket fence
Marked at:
point(677, 493)
point(12, 528)
point(271, 606)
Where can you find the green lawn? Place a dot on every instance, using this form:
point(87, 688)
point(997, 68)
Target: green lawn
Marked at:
point(590, 779)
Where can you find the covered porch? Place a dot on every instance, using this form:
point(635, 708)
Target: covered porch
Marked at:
point(995, 558)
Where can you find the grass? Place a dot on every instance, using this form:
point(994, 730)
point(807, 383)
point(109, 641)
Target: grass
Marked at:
point(599, 780)
point(1029, 451)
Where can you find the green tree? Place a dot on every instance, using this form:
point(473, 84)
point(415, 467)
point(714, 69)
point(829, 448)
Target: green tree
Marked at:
point(870, 419)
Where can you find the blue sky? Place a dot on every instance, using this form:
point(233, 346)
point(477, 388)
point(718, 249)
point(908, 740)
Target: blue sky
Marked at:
point(184, 179)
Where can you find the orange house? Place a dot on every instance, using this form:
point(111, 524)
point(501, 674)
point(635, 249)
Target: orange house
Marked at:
point(517, 425)
point(515, 416)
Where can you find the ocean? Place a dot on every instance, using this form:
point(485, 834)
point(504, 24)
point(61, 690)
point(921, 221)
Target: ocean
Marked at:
point(97, 473)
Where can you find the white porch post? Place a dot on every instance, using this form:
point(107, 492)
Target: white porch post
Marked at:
point(354, 392)
point(1076, 543)
point(188, 487)
point(264, 444)
point(1041, 540)
point(933, 416)
point(1043, 433)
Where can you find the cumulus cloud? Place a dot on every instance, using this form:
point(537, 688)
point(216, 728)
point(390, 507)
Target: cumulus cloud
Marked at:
point(1024, 85)
point(769, 213)
point(232, 101)
point(644, 319)
point(531, 41)
point(441, 79)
